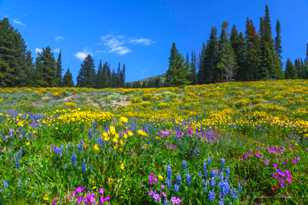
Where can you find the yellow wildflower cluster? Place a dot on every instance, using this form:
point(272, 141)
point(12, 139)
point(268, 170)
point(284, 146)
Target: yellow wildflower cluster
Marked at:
point(117, 140)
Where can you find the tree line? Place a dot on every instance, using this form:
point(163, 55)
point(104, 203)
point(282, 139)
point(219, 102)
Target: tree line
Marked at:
point(228, 56)
point(17, 67)
point(235, 56)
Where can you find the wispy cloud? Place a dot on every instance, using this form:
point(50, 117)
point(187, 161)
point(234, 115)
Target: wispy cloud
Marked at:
point(19, 23)
point(38, 50)
point(115, 44)
point(141, 41)
point(59, 38)
point(81, 55)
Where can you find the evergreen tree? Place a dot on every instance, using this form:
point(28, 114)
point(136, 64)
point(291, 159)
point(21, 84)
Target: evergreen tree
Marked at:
point(238, 45)
point(100, 76)
point(14, 57)
point(208, 59)
point(278, 54)
point(299, 67)
point(58, 77)
point(193, 68)
point(306, 63)
point(177, 73)
point(45, 68)
point(67, 79)
point(252, 52)
point(226, 65)
point(123, 75)
point(87, 75)
point(290, 72)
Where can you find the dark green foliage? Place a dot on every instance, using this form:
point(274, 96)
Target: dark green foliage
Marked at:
point(226, 64)
point(299, 67)
point(177, 73)
point(193, 68)
point(87, 75)
point(15, 60)
point(290, 72)
point(58, 77)
point(208, 59)
point(45, 68)
point(67, 79)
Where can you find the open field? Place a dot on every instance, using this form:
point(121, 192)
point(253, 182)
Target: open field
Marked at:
point(236, 142)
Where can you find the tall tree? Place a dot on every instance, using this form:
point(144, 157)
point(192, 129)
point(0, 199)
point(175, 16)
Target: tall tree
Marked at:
point(278, 54)
point(177, 73)
point(193, 68)
point(239, 49)
point(87, 75)
point(14, 57)
point(299, 67)
point(306, 63)
point(252, 52)
point(45, 68)
point(58, 77)
point(209, 58)
point(67, 79)
point(226, 65)
point(290, 72)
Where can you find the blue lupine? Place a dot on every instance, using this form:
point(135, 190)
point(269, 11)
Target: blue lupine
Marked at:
point(168, 182)
point(74, 159)
point(234, 194)
point(213, 173)
point(90, 133)
point(184, 164)
point(209, 160)
point(224, 188)
point(228, 172)
point(178, 179)
point(83, 167)
point(221, 202)
point(58, 150)
point(11, 132)
point(100, 141)
point(5, 184)
point(223, 162)
point(169, 172)
point(212, 182)
point(80, 145)
point(188, 179)
point(205, 168)
point(211, 195)
point(176, 187)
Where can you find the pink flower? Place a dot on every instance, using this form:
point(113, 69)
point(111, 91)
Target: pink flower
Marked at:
point(275, 165)
point(295, 160)
point(175, 200)
point(79, 189)
point(258, 154)
point(79, 200)
point(104, 199)
point(101, 191)
point(152, 179)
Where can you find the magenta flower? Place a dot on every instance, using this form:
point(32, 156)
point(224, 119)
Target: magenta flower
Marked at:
point(175, 200)
point(90, 198)
point(79, 189)
point(296, 160)
point(101, 191)
point(104, 199)
point(164, 133)
point(156, 197)
point(79, 200)
point(152, 179)
point(275, 165)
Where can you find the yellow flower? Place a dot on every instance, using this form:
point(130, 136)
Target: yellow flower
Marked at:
point(130, 133)
point(142, 133)
point(109, 180)
point(96, 148)
point(105, 136)
point(122, 167)
point(112, 130)
point(46, 197)
point(27, 143)
point(160, 177)
point(125, 136)
point(123, 120)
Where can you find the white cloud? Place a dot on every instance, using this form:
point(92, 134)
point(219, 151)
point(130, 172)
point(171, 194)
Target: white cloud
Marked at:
point(81, 55)
point(59, 38)
point(38, 50)
point(18, 22)
point(115, 44)
point(142, 41)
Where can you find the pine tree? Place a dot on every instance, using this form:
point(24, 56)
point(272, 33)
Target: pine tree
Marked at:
point(208, 59)
point(123, 75)
point(14, 57)
point(278, 54)
point(239, 49)
point(306, 63)
point(87, 75)
point(67, 79)
point(100, 83)
point(58, 77)
point(193, 68)
point(226, 65)
point(290, 72)
point(177, 73)
point(252, 52)
point(45, 68)
point(299, 67)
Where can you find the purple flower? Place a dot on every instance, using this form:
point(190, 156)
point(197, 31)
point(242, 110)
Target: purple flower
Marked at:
point(156, 197)
point(79, 189)
point(175, 200)
point(101, 191)
point(58, 150)
point(188, 179)
point(266, 162)
point(83, 167)
point(179, 134)
point(152, 179)
point(79, 200)
point(224, 188)
point(164, 133)
point(178, 179)
point(296, 160)
point(176, 188)
point(104, 199)
point(90, 198)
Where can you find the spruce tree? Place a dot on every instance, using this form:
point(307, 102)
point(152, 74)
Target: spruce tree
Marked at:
point(177, 73)
point(239, 49)
point(306, 63)
point(45, 68)
point(290, 72)
point(67, 79)
point(208, 59)
point(193, 68)
point(278, 54)
point(58, 77)
point(14, 57)
point(226, 64)
point(100, 83)
point(252, 52)
point(87, 75)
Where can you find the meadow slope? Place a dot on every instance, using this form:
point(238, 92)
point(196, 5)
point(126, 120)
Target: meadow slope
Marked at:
point(236, 142)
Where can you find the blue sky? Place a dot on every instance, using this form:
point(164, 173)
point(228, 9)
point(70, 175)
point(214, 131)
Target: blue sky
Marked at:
point(139, 33)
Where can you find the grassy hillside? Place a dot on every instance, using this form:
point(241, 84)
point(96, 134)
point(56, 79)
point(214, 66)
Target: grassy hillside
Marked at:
point(241, 142)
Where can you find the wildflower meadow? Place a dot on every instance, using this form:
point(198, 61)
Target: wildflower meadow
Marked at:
point(226, 143)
